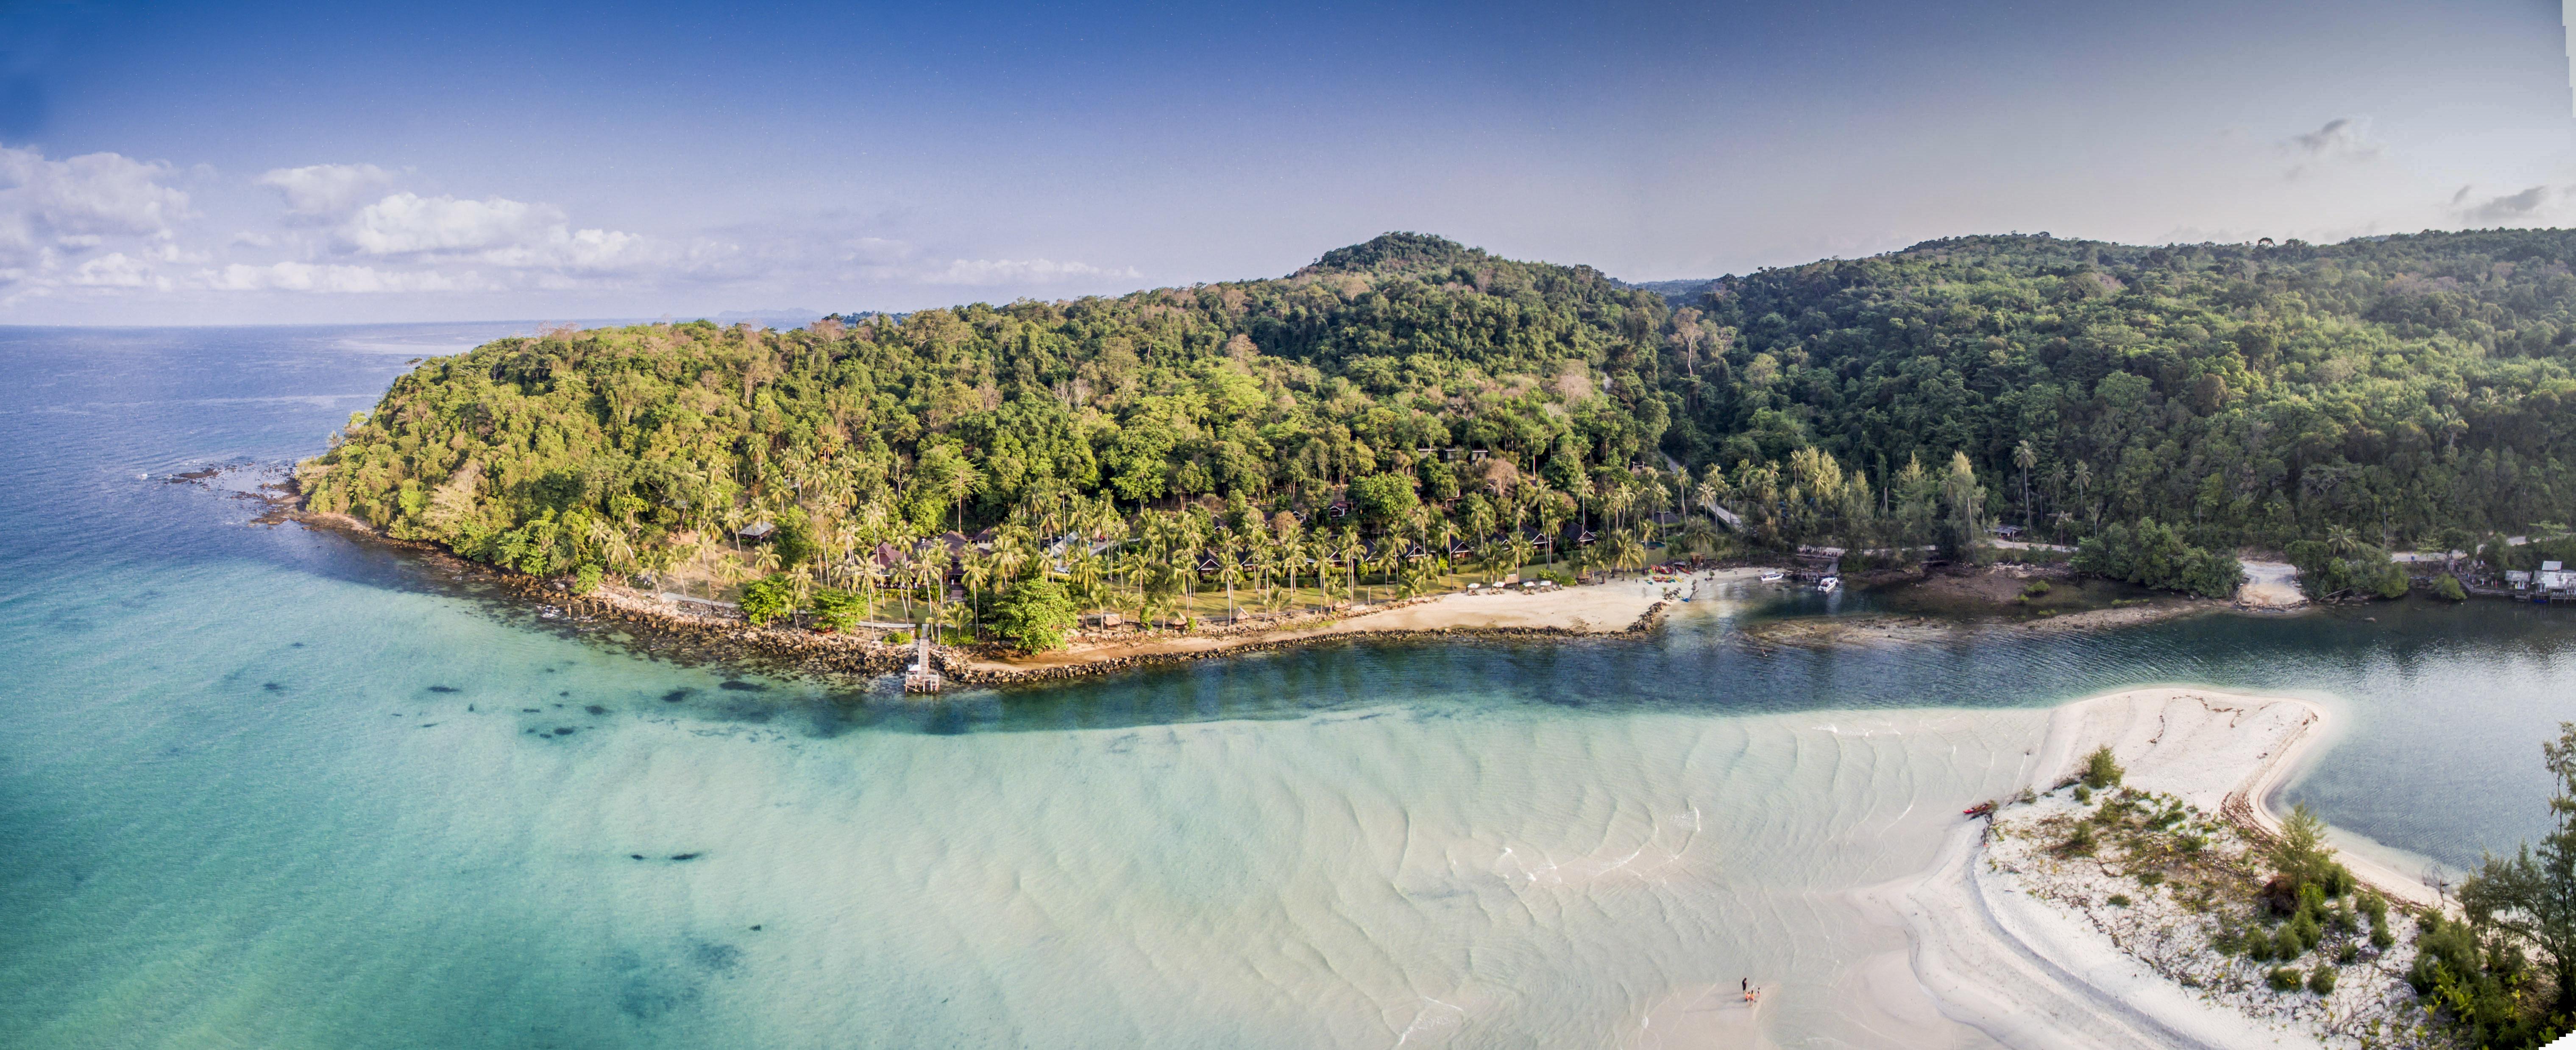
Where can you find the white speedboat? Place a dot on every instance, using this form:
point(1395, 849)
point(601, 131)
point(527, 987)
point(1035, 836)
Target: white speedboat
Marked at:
point(1829, 583)
point(1774, 576)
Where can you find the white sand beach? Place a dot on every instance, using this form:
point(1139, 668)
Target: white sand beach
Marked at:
point(2032, 973)
point(1601, 608)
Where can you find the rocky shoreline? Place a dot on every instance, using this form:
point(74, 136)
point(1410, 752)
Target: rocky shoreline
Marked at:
point(727, 639)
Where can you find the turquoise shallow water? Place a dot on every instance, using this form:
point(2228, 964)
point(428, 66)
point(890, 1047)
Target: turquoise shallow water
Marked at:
point(262, 787)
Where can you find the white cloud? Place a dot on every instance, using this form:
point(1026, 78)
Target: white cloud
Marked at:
point(2506, 210)
point(2343, 140)
point(76, 204)
point(496, 230)
point(326, 189)
point(1019, 271)
point(95, 193)
point(117, 270)
point(310, 277)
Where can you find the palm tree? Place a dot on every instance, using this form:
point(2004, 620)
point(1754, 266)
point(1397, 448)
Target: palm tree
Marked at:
point(1229, 569)
point(1390, 559)
point(930, 567)
point(2083, 481)
point(1186, 546)
point(978, 569)
point(2025, 458)
point(1351, 559)
point(1133, 564)
point(1615, 501)
point(960, 618)
point(870, 574)
point(1319, 556)
point(1551, 519)
point(1291, 555)
point(1085, 569)
point(1626, 550)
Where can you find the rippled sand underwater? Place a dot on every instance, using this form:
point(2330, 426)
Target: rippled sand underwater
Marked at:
point(320, 845)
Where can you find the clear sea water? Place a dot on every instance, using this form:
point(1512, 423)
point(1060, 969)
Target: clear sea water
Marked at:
point(261, 786)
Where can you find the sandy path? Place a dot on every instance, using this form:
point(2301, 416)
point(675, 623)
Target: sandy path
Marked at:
point(2270, 585)
point(1604, 608)
point(1597, 609)
point(2033, 975)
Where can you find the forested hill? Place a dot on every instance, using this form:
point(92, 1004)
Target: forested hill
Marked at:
point(2243, 394)
point(2260, 394)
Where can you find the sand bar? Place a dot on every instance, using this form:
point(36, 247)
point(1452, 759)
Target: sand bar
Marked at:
point(2029, 973)
point(1595, 609)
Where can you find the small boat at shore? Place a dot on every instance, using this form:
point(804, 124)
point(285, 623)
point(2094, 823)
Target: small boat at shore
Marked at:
point(1774, 576)
point(1829, 583)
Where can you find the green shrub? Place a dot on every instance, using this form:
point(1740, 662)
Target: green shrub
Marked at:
point(585, 579)
point(2448, 588)
point(2081, 842)
point(2153, 555)
point(2287, 944)
point(2151, 878)
point(2321, 980)
point(2284, 979)
point(767, 598)
point(2309, 873)
point(2117, 900)
point(2101, 770)
point(794, 542)
point(838, 609)
point(2347, 955)
point(1034, 615)
point(2381, 939)
point(2035, 589)
point(899, 638)
point(2358, 571)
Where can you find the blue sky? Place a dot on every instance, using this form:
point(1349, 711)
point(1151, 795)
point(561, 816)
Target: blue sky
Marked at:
point(201, 163)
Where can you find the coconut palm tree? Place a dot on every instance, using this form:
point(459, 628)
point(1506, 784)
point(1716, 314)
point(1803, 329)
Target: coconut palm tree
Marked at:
point(1085, 569)
point(1349, 550)
point(930, 568)
point(1390, 560)
point(1133, 563)
point(1229, 568)
point(1627, 551)
point(1291, 554)
point(978, 570)
point(2025, 457)
point(959, 618)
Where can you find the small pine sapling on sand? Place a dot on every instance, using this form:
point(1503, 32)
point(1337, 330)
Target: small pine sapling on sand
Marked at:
point(2101, 770)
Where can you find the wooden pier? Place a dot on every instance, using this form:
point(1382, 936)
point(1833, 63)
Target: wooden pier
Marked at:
point(921, 677)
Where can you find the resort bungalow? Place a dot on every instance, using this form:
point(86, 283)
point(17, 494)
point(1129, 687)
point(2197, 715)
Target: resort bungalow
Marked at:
point(758, 531)
point(2553, 583)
